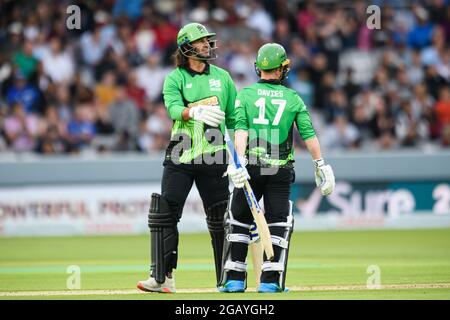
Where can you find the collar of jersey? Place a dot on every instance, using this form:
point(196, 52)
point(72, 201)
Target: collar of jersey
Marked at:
point(193, 73)
point(271, 81)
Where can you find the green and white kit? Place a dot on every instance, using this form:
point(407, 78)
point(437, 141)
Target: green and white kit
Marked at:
point(185, 88)
point(268, 111)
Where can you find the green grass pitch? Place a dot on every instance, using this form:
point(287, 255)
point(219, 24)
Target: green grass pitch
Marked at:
point(413, 264)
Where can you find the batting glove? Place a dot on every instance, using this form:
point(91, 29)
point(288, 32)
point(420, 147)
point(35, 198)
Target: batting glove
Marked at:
point(210, 115)
point(324, 177)
point(238, 176)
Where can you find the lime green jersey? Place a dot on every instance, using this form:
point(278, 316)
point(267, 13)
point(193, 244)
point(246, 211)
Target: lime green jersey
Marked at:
point(268, 111)
point(185, 88)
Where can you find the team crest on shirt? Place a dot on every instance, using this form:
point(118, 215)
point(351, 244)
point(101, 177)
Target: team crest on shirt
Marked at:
point(215, 85)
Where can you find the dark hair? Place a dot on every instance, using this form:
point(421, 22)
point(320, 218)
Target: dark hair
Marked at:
point(179, 59)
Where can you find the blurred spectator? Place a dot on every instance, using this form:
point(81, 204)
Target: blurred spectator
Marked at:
point(302, 85)
point(382, 125)
point(241, 66)
point(25, 93)
point(165, 33)
point(422, 103)
point(402, 84)
point(144, 38)
point(432, 55)
point(434, 81)
point(15, 40)
point(442, 109)
point(124, 142)
point(329, 30)
point(443, 66)
point(151, 76)
point(415, 69)
point(337, 105)
point(324, 89)
point(53, 121)
point(360, 119)
point(445, 140)
point(411, 129)
point(6, 70)
point(317, 71)
point(282, 33)
point(306, 16)
point(105, 91)
point(24, 60)
point(350, 86)
point(58, 63)
point(155, 130)
point(381, 82)
point(134, 92)
point(420, 36)
point(133, 56)
point(21, 129)
point(259, 19)
point(446, 24)
point(124, 114)
point(340, 135)
point(51, 142)
point(80, 129)
point(300, 55)
point(93, 47)
point(131, 9)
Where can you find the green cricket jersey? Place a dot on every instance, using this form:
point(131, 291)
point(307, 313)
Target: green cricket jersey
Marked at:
point(186, 88)
point(268, 111)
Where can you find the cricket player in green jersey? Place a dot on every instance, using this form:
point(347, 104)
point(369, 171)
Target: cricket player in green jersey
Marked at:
point(265, 114)
point(199, 98)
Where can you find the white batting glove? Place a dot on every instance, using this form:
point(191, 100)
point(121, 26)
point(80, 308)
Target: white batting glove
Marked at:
point(210, 115)
point(238, 176)
point(324, 177)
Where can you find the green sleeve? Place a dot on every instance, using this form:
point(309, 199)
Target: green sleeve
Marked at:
point(173, 98)
point(303, 121)
point(229, 111)
point(240, 114)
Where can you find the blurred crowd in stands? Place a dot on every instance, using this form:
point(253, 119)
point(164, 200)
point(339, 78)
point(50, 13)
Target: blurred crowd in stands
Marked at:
point(98, 88)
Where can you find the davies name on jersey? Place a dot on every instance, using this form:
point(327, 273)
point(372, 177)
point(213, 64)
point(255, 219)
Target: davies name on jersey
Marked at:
point(270, 93)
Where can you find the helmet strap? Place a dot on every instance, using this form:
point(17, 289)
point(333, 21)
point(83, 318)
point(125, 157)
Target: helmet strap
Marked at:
point(284, 72)
point(258, 72)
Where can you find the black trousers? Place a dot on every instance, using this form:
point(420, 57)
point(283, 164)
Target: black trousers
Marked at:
point(276, 190)
point(212, 186)
point(178, 179)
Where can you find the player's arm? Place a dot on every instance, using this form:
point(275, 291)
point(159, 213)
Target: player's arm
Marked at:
point(240, 141)
point(173, 100)
point(313, 146)
point(230, 106)
point(240, 126)
point(239, 176)
point(324, 175)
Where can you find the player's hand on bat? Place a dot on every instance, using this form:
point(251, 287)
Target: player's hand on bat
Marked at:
point(324, 177)
point(238, 176)
point(210, 115)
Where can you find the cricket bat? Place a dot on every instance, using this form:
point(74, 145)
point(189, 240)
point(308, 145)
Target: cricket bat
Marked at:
point(258, 214)
point(257, 253)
